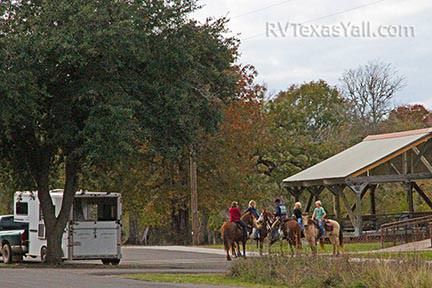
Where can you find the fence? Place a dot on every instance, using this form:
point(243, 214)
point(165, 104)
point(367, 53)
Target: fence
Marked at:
point(407, 230)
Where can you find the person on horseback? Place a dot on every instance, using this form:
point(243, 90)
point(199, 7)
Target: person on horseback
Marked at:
point(319, 215)
point(253, 210)
point(235, 216)
point(281, 212)
point(298, 214)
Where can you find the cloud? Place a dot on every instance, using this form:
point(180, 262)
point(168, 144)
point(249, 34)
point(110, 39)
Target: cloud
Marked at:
point(285, 61)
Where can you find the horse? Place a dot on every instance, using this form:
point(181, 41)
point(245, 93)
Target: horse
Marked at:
point(334, 233)
point(311, 232)
point(292, 233)
point(232, 235)
point(264, 223)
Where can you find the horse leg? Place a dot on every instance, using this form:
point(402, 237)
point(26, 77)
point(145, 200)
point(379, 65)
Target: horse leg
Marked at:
point(261, 244)
point(298, 243)
point(228, 247)
point(244, 249)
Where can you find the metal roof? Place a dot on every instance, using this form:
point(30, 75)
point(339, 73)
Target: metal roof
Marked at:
point(363, 156)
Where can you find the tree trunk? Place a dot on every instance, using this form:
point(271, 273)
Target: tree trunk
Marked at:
point(55, 226)
point(133, 229)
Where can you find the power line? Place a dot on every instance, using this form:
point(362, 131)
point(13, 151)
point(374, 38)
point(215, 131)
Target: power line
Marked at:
point(262, 9)
point(323, 17)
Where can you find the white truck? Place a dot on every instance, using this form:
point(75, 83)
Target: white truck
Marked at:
point(93, 230)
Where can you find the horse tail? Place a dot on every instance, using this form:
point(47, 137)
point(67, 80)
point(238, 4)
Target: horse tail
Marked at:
point(340, 237)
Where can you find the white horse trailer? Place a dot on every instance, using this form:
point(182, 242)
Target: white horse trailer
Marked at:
point(93, 230)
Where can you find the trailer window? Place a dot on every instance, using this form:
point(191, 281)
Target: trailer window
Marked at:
point(95, 209)
point(21, 208)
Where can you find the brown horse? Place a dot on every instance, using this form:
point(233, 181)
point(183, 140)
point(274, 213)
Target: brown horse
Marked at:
point(232, 235)
point(311, 232)
point(264, 223)
point(292, 233)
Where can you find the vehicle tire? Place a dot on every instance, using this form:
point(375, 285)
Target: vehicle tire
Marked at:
point(7, 253)
point(106, 261)
point(43, 254)
point(115, 261)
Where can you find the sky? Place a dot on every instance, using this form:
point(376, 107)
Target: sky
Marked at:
point(399, 33)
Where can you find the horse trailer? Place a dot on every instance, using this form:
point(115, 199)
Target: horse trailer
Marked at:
point(93, 231)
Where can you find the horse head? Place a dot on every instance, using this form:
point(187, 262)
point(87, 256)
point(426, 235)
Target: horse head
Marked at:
point(306, 220)
point(249, 219)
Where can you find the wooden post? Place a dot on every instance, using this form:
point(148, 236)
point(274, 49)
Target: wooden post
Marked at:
point(337, 191)
point(194, 197)
point(372, 200)
point(410, 198)
point(309, 203)
point(337, 210)
point(373, 205)
point(358, 189)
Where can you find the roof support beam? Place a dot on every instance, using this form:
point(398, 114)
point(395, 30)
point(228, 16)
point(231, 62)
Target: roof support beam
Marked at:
point(422, 159)
point(424, 149)
point(422, 194)
point(388, 178)
point(314, 193)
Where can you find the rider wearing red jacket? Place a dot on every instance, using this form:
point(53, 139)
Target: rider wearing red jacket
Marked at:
point(235, 216)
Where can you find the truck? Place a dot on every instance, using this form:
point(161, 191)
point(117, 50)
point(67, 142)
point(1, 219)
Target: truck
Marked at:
point(93, 231)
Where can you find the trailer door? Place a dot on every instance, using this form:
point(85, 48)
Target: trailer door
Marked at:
point(95, 230)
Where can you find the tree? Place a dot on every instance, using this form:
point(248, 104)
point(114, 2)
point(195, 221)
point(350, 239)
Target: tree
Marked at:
point(83, 83)
point(370, 88)
point(305, 125)
point(405, 117)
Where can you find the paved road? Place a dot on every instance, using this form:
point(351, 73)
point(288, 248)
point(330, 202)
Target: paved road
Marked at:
point(135, 260)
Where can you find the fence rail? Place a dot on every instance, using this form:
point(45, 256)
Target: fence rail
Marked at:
point(405, 231)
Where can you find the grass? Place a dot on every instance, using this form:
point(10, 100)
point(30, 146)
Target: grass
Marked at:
point(334, 272)
point(310, 272)
point(207, 279)
point(414, 255)
point(348, 247)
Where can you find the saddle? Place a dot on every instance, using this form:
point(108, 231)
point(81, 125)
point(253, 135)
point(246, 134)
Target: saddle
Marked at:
point(328, 226)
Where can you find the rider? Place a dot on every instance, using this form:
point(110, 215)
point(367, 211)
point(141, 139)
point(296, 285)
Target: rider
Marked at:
point(298, 214)
point(281, 213)
point(319, 214)
point(253, 210)
point(235, 215)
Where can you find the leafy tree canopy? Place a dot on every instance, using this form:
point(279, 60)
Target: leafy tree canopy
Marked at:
point(86, 81)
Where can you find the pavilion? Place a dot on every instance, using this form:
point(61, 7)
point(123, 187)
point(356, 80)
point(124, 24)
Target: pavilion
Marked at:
point(403, 157)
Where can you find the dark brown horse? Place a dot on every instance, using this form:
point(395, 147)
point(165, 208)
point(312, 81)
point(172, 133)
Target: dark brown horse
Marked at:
point(232, 235)
point(264, 223)
point(292, 233)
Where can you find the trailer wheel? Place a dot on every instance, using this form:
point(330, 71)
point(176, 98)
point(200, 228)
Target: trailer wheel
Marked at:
point(110, 261)
point(7, 253)
point(115, 261)
point(43, 254)
point(106, 261)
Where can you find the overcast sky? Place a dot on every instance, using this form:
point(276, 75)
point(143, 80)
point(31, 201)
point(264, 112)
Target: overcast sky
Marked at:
point(283, 58)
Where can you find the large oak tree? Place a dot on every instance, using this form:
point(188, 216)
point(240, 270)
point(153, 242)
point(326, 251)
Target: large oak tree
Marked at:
point(83, 82)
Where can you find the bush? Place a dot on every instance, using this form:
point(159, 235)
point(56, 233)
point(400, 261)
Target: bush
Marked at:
point(329, 272)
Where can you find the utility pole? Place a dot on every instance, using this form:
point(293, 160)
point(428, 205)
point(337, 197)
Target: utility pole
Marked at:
point(194, 197)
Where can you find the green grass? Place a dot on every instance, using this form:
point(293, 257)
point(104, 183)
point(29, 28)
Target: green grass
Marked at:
point(208, 279)
point(348, 247)
point(415, 255)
